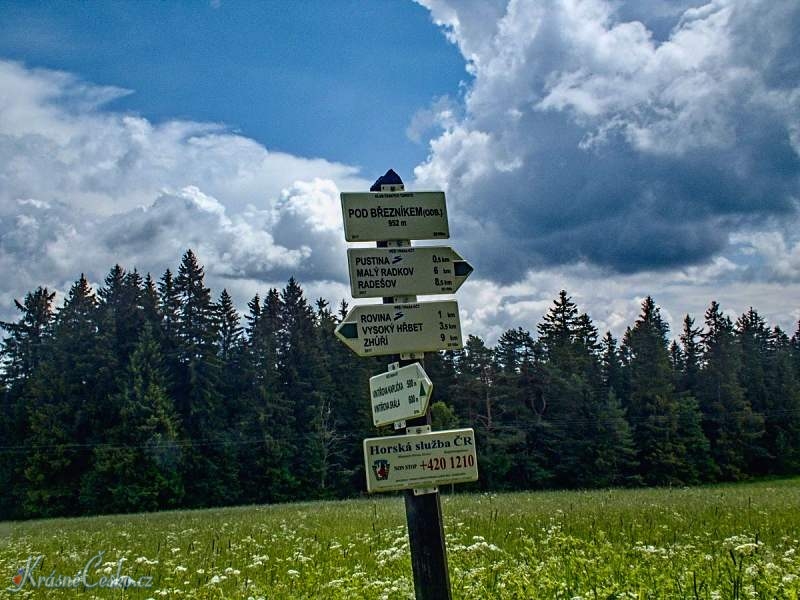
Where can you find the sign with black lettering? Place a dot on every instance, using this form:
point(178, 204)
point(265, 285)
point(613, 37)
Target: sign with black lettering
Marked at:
point(378, 329)
point(373, 216)
point(379, 272)
point(400, 394)
point(423, 460)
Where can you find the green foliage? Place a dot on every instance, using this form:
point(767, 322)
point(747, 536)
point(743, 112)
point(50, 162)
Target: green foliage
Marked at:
point(22, 350)
point(729, 542)
point(21, 354)
point(147, 396)
point(139, 468)
point(781, 439)
point(652, 402)
point(730, 424)
point(615, 462)
point(443, 417)
point(210, 474)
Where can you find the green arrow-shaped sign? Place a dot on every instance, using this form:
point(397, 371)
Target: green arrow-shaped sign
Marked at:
point(400, 394)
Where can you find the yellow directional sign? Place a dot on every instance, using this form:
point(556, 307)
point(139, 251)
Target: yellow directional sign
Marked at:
point(423, 460)
point(377, 272)
point(377, 329)
point(373, 216)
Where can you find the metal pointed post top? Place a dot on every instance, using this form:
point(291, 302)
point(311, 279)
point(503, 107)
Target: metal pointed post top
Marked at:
point(390, 178)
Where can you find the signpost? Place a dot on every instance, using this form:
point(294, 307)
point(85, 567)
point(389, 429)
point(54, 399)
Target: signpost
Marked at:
point(370, 217)
point(378, 329)
point(377, 272)
point(400, 394)
point(420, 461)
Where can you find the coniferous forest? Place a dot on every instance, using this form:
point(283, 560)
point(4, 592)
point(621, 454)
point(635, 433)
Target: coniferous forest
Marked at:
point(146, 395)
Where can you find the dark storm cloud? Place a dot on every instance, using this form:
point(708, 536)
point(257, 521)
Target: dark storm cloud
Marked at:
point(588, 139)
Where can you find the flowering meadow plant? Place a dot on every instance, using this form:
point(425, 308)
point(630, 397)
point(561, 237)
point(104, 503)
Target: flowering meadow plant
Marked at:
point(717, 542)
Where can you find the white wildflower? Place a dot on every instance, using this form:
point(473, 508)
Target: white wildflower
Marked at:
point(748, 548)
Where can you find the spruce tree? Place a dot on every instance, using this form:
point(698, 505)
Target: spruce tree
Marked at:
point(474, 367)
point(615, 461)
point(479, 390)
point(69, 408)
point(728, 420)
point(514, 350)
point(169, 307)
point(441, 368)
point(150, 304)
point(676, 361)
point(795, 352)
point(139, 468)
point(691, 356)
point(611, 366)
point(230, 329)
point(268, 416)
point(168, 310)
point(21, 354)
point(151, 396)
point(558, 327)
point(345, 418)
point(782, 409)
point(122, 311)
point(753, 337)
point(570, 384)
point(210, 476)
point(662, 427)
point(305, 382)
point(22, 350)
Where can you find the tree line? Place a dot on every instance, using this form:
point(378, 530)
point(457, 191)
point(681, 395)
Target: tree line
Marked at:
point(148, 395)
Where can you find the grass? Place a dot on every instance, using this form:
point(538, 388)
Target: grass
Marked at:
point(727, 542)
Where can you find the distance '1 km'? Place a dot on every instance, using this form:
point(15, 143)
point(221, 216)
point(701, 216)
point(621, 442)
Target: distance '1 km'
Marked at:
point(380, 329)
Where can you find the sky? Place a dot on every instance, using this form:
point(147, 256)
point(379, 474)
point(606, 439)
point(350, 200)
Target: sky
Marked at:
point(613, 149)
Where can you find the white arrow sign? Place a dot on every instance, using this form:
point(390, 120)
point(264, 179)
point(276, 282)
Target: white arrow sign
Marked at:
point(400, 394)
point(373, 216)
point(376, 329)
point(420, 461)
point(376, 272)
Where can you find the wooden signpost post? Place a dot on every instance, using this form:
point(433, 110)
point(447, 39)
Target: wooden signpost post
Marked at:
point(418, 460)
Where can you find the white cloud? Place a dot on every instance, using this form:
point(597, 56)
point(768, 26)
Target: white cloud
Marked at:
point(614, 300)
point(777, 253)
point(85, 187)
point(591, 153)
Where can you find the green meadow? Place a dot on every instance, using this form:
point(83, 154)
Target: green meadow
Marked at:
point(727, 541)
